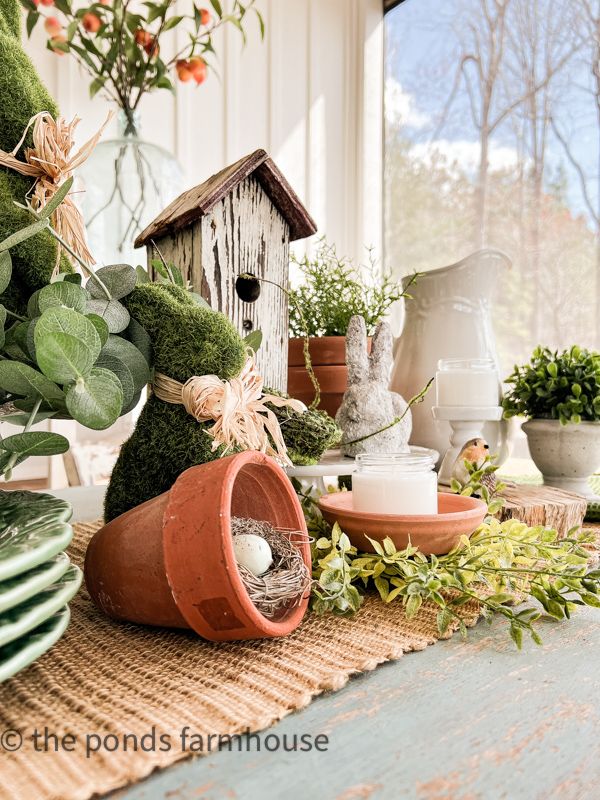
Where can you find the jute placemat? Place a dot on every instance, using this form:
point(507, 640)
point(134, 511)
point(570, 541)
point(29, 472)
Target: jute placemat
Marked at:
point(104, 680)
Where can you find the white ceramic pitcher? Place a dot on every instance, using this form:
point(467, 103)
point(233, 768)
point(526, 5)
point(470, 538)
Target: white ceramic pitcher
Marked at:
point(448, 317)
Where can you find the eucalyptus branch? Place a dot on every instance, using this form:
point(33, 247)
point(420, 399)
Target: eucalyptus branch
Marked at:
point(7, 471)
point(85, 267)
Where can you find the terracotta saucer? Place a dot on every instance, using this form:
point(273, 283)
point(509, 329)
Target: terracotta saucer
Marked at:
point(432, 534)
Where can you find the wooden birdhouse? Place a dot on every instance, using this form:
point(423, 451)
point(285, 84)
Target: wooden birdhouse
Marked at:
point(239, 221)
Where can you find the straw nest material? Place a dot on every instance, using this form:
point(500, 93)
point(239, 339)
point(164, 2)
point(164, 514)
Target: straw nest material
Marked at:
point(287, 580)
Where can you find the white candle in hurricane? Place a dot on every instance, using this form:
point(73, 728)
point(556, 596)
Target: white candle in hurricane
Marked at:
point(467, 383)
point(399, 483)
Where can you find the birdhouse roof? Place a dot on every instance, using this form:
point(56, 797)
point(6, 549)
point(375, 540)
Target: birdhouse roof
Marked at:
point(197, 202)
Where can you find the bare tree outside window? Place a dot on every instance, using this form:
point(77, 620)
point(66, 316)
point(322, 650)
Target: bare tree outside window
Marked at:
point(493, 139)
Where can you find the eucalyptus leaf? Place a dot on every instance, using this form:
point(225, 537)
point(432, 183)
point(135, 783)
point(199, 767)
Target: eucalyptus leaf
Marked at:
point(112, 312)
point(198, 299)
point(64, 358)
point(35, 443)
point(23, 234)
point(101, 327)
point(142, 275)
point(67, 320)
point(119, 279)
point(62, 294)
point(133, 404)
point(96, 400)
point(2, 324)
point(5, 270)
point(254, 340)
point(21, 379)
point(129, 356)
point(16, 418)
point(122, 372)
point(33, 307)
point(72, 277)
point(140, 337)
point(30, 340)
point(45, 212)
point(13, 344)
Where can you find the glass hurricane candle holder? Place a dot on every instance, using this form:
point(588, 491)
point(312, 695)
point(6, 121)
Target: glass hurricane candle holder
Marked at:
point(399, 483)
point(467, 382)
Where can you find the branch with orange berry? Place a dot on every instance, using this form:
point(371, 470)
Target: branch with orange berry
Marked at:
point(121, 49)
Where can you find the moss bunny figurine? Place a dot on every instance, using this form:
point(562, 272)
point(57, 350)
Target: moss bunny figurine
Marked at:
point(23, 95)
point(368, 404)
point(189, 339)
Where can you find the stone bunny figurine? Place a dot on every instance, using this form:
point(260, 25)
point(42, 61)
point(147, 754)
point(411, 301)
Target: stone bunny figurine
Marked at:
point(368, 404)
point(189, 339)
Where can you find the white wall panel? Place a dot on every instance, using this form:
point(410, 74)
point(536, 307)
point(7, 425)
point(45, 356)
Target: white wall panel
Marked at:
point(310, 94)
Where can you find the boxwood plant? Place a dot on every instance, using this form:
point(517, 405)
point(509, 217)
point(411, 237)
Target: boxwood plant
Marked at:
point(75, 355)
point(563, 386)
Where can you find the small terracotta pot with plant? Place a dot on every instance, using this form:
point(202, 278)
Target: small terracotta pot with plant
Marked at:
point(333, 290)
point(560, 395)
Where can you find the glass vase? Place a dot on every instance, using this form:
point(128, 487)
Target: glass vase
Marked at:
point(127, 182)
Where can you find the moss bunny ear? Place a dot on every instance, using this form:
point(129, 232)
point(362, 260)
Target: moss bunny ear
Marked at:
point(357, 357)
point(380, 362)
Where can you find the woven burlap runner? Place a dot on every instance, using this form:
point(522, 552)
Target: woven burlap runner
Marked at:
point(106, 679)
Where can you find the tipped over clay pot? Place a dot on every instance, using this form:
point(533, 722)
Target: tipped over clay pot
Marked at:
point(170, 561)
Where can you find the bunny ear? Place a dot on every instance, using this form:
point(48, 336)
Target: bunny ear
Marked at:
point(357, 357)
point(381, 354)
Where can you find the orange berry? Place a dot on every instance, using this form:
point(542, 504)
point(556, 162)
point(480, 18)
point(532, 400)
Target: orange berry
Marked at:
point(52, 26)
point(56, 39)
point(104, 2)
point(47, 2)
point(205, 16)
point(198, 69)
point(183, 71)
point(91, 22)
point(152, 47)
point(142, 37)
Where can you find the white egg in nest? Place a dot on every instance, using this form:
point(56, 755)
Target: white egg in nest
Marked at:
point(253, 552)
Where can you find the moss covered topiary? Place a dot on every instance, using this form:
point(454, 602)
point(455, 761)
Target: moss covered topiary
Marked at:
point(189, 339)
point(307, 435)
point(23, 95)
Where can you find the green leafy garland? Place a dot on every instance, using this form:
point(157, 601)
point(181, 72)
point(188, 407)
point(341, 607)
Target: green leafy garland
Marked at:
point(501, 567)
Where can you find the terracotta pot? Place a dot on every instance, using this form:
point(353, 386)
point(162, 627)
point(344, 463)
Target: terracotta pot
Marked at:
point(433, 534)
point(328, 356)
point(170, 561)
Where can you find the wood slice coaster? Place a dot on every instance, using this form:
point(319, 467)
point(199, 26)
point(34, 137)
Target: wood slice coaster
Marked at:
point(544, 505)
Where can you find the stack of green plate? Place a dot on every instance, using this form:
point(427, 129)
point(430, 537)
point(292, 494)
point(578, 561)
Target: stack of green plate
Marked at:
point(37, 579)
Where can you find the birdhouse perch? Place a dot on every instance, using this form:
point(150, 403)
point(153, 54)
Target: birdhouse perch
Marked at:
point(239, 221)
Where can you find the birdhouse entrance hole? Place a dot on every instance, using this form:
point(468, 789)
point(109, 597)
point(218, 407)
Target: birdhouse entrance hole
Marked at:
point(247, 288)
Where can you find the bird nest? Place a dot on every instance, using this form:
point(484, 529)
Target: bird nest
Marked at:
point(287, 580)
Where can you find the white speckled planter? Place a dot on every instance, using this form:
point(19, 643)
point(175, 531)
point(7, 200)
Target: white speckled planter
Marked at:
point(566, 455)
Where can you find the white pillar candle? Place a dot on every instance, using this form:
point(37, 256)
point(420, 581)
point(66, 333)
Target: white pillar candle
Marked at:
point(467, 383)
point(399, 484)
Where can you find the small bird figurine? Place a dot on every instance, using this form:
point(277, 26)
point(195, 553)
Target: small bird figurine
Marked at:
point(475, 451)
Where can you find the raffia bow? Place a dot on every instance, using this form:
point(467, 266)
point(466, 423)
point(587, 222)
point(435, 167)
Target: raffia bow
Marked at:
point(238, 408)
point(50, 162)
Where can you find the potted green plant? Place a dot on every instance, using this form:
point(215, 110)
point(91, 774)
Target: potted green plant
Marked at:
point(560, 395)
point(333, 290)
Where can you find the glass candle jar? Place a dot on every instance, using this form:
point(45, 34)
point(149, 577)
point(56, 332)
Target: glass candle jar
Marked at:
point(400, 483)
point(467, 383)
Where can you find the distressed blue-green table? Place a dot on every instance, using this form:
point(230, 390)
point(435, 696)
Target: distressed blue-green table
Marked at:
point(458, 721)
point(455, 722)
